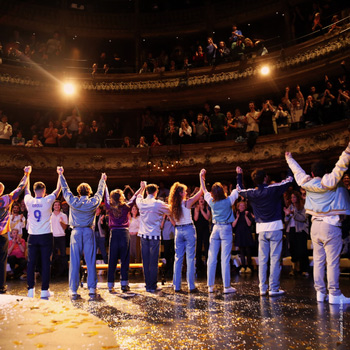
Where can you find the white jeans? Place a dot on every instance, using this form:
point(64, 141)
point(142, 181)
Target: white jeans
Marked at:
point(327, 243)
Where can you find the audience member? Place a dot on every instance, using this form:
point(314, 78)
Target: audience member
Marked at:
point(127, 142)
point(64, 136)
point(217, 122)
point(34, 142)
point(142, 143)
point(135, 241)
point(5, 130)
point(59, 223)
point(18, 140)
point(82, 136)
point(243, 236)
point(50, 135)
point(200, 129)
point(17, 254)
point(185, 132)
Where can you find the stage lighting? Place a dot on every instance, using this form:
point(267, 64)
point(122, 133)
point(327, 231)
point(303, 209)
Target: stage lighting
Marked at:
point(69, 89)
point(265, 70)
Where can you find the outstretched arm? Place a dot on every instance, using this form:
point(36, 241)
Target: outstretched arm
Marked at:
point(133, 198)
point(299, 174)
point(330, 181)
point(202, 180)
point(57, 191)
point(194, 199)
point(23, 185)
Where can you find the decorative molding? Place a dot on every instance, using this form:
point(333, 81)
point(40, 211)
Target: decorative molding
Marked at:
point(220, 158)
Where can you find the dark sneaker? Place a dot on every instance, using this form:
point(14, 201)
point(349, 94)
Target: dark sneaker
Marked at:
point(95, 297)
point(194, 290)
point(75, 297)
point(3, 290)
point(125, 288)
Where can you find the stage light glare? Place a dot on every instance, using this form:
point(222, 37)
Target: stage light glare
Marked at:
point(265, 70)
point(69, 89)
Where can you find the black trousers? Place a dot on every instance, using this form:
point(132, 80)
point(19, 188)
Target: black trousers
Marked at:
point(39, 244)
point(4, 243)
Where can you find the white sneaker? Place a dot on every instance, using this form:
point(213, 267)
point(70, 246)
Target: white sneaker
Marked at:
point(210, 289)
point(263, 292)
point(31, 293)
point(321, 297)
point(338, 299)
point(248, 270)
point(276, 293)
point(46, 294)
point(229, 290)
point(242, 270)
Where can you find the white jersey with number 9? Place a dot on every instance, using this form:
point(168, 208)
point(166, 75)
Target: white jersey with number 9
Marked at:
point(39, 213)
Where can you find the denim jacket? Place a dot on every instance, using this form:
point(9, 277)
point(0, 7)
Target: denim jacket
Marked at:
point(325, 196)
point(82, 209)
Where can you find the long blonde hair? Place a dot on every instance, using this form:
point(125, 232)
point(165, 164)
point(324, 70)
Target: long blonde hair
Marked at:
point(117, 200)
point(175, 199)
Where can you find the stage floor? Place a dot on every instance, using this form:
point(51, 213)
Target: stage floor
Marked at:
point(243, 320)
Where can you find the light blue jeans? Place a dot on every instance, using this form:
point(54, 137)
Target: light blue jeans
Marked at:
point(221, 236)
point(185, 242)
point(82, 240)
point(270, 247)
point(327, 243)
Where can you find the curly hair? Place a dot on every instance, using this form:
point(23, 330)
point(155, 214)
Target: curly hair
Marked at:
point(175, 199)
point(117, 201)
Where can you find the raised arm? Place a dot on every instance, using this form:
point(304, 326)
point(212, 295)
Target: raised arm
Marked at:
point(14, 195)
point(330, 181)
point(202, 180)
point(299, 174)
point(57, 191)
point(67, 194)
point(194, 199)
point(135, 194)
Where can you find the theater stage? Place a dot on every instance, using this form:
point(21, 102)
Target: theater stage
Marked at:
point(175, 321)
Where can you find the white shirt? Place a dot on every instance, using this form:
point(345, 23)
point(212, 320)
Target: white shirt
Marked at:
point(269, 226)
point(39, 213)
point(186, 217)
point(16, 222)
point(151, 214)
point(57, 229)
point(134, 224)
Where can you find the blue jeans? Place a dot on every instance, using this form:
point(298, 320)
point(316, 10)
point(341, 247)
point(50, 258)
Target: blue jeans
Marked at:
point(220, 237)
point(82, 240)
point(270, 247)
point(150, 254)
point(39, 245)
point(119, 248)
point(101, 243)
point(4, 243)
point(185, 242)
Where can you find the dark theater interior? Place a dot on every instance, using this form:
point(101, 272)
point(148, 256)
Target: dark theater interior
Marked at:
point(152, 92)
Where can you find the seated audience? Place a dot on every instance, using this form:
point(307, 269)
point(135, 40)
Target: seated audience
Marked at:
point(142, 143)
point(34, 142)
point(18, 140)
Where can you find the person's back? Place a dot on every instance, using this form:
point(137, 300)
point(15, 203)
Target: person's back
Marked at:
point(267, 207)
point(326, 200)
point(266, 200)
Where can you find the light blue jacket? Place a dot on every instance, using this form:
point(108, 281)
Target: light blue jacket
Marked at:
point(82, 209)
point(325, 196)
